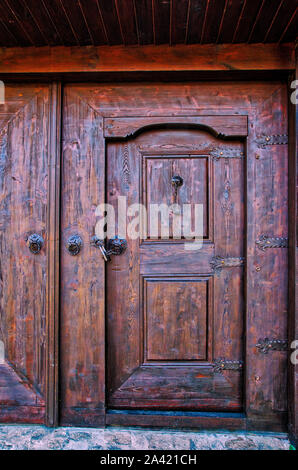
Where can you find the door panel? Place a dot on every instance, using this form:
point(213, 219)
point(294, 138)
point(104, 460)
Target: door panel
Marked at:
point(23, 208)
point(170, 300)
point(158, 171)
point(175, 319)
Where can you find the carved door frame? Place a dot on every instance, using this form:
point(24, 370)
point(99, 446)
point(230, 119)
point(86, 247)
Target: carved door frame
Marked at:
point(260, 139)
point(255, 244)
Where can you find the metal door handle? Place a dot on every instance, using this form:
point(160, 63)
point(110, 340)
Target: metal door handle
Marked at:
point(116, 246)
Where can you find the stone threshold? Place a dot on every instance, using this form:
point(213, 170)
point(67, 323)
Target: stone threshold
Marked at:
point(27, 437)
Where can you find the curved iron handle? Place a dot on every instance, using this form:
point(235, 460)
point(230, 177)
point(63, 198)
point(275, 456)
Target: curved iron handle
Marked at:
point(35, 243)
point(74, 244)
point(116, 246)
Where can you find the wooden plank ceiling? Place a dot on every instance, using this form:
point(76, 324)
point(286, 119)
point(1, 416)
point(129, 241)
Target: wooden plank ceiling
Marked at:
point(138, 22)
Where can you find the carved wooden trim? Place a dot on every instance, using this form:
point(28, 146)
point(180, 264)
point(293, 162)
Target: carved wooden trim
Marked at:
point(265, 345)
point(224, 364)
point(125, 167)
point(265, 242)
point(265, 140)
point(218, 262)
point(219, 126)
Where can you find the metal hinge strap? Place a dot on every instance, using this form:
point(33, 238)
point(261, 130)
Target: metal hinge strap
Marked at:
point(264, 140)
point(265, 345)
point(224, 364)
point(271, 242)
point(218, 262)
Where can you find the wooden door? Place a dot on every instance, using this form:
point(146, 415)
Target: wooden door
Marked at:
point(175, 315)
point(24, 160)
point(159, 328)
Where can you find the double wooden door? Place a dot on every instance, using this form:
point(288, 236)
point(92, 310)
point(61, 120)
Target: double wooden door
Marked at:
point(165, 333)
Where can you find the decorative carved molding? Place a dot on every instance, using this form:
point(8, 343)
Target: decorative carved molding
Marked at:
point(218, 262)
point(265, 140)
point(271, 242)
point(125, 167)
point(226, 203)
point(219, 126)
point(265, 345)
point(224, 364)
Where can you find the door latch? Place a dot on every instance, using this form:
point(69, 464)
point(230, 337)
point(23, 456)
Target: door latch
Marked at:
point(115, 246)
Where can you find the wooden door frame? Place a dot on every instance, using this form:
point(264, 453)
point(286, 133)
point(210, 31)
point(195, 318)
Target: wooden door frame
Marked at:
point(237, 62)
point(293, 258)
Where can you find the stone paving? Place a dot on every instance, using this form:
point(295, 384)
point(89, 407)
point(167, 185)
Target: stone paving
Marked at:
point(14, 437)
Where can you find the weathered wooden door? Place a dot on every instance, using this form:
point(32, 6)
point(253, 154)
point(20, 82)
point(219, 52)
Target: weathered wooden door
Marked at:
point(160, 328)
point(174, 310)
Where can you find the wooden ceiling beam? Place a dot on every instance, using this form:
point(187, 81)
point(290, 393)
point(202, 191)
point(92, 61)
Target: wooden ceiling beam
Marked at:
point(148, 58)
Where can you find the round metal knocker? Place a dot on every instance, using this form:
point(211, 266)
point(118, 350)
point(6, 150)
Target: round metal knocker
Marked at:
point(74, 244)
point(35, 243)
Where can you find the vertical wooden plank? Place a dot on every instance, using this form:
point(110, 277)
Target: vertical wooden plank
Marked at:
point(53, 255)
point(267, 195)
point(179, 20)
point(196, 20)
point(214, 14)
point(293, 262)
point(144, 21)
point(161, 21)
point(82, 318)
point(24, 211)
point(127, 20)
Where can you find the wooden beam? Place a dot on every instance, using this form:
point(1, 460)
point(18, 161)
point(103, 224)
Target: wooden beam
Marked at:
point(148, 58)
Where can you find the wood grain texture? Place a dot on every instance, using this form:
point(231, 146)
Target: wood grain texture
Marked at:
point(157, 188)
point(267, 271)
point(137, 22)
point(24, 148)
point(148, 58)
point(235, 421)
point(175, 319)
point(219, 126)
